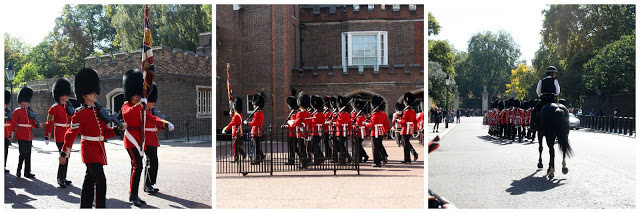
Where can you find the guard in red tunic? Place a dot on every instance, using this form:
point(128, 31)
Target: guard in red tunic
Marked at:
point(88, 122)
point(397, 127)
point(343, 128)
point(379, 125)
point(291, 139)
point(7, 127)
point(327, 111)
point(358, 119)
point(301, 124)
point(420, 120)
point(58, 121)
point(256, 128)
point(236, 130)
point(408, 122)
point(154, 122)
point(22, 123)
point(133, 113)
point(317, 129)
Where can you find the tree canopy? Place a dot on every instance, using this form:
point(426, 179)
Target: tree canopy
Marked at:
point(83, 30)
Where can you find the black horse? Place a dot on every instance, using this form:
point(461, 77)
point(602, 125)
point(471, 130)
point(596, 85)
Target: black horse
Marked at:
point(552, 122)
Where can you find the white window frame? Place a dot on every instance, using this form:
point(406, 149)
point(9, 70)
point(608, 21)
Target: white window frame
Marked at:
point(382, 57)
point(203, 101)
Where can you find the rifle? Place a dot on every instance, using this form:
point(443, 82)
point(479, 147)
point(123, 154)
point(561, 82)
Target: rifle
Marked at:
point(341, 109)
point(8, 114)
point(359, 112)
point(33, 116)
point(229, 91)
point(254, 112)
point(106, 117)
point(290, 113)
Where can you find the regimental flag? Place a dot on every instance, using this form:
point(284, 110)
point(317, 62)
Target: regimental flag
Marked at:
point(147, 56)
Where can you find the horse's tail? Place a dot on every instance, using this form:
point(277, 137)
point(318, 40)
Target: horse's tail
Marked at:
point(561, 120)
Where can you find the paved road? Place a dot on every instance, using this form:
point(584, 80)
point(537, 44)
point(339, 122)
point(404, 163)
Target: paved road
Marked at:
point(473, 170)
point(393, 186)
point(184, 178)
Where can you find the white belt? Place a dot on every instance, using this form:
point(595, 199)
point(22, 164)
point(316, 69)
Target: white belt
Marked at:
point(319, 129)
point(89, 138)
point(377, 129)
point(344, 129)
point(151, 129)
point(62, 125)
point(133, 141)
point(24, 125)
point(362, 132)
point(6, 124)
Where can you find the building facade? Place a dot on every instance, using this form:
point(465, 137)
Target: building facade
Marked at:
point(183, 79)
point(319, 49)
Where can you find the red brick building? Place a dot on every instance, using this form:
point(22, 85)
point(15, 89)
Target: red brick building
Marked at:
point(320, 49)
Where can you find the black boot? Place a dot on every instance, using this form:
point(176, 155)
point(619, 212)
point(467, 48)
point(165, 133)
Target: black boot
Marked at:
point(136, 200)
point(149, 189)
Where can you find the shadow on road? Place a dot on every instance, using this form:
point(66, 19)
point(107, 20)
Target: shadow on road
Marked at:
point(533, 184)
point(183, 202)
point(502, 142)
point(36, 187)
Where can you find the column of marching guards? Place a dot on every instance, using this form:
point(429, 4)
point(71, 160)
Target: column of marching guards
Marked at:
point(90, 119)
point(510, 119)
point(314, 122)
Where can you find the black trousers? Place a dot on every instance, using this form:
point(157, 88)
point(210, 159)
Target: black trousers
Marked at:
point(341, 149)
point(327, 146)
point(151, 167)
point(237, 146)
point(407, 147)
point(362, 153)
point(258, 155)
point(136, 170)
point(25, 156)
point(303, 153)
point(315, 148)
point(62, 168)
point(94, 179)
point(292, 149)
point(378, 149)
point(7, 142)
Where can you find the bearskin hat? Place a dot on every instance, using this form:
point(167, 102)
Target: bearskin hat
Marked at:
point(342, 101)
point(399, 106)
point(376, 101)
point(85, 82)
point(258, 100)
point(500, 105)
point(333, 101)
point(237, 104)
point(359, 104)
point(292, 102)
point(25, 94)
point(132, 83)
point(153, 97)
point(408, 99)
point(355, 101)
point(327, 101)
point(507, 104)
point(317, 102)
point(61, 87)
point(515, 103)
point(7, 97)
point(304, 100)
point(525, 104)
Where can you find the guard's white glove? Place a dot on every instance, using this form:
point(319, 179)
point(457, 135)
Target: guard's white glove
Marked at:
point(171, 127)
point(143, 100)
point(245, 122)
point(224, 130)
point(46, 141)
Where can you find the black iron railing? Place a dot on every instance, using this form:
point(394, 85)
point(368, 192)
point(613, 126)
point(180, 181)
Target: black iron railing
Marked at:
point(612, 124)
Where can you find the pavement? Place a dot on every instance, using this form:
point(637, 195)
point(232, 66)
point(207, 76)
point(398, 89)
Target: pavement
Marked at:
point(476, 171)
point(442, 131)
point(184, 177)
point(393, 186)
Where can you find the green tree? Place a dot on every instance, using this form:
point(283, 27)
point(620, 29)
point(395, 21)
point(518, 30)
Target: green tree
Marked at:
point(613, 69)
point(27, 72)
point(176, 26)
point(573, 34)
point(434, 27)
point(490, 59)
point(440, 51)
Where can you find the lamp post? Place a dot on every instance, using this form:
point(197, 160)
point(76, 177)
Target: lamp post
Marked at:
point(447, 81)
point(10, 75)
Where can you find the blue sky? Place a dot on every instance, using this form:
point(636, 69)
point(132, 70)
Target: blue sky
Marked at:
point(523, 20)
